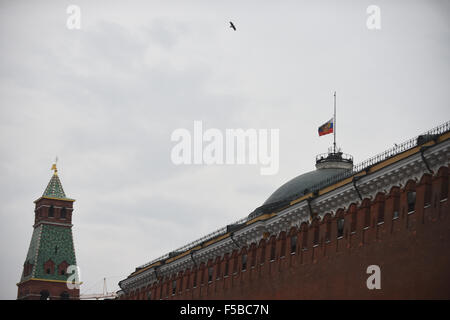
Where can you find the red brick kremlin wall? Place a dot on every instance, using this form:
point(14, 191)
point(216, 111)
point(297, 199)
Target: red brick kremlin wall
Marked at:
point(412, 251)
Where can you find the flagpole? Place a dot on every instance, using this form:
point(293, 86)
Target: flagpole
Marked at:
point(334, 124)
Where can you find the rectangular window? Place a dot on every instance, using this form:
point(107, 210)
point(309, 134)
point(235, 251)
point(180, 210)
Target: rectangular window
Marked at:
point(305, 239)
point(340, 227)
point(253, 257)
point(328, 231)
point(444, 188)
point(396, 208)
point(272, 251)
point(195, 279)
point(411, 198)
point(188, 281)
point(226, 268)
point(366, 218)
point(219, 265)
point(353, 225)
point(381, 213)
point(202, 276)
point(293, 244)
point(210, 274)
point(174, 287)
point(316, 236)
point(244, 262)
point(263, 255)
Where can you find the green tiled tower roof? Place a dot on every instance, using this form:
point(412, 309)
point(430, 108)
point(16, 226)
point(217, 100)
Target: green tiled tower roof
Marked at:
point(54, 188)
point(49, 243)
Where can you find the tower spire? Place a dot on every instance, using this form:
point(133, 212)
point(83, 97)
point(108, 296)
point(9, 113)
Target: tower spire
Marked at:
point(55, 170)
point(334, 124)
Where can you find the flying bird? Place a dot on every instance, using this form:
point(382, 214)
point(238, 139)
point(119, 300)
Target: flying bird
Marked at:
point(232, 26)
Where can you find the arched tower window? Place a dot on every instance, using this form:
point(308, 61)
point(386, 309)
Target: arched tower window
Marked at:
point(49, 267)
point(62, 268)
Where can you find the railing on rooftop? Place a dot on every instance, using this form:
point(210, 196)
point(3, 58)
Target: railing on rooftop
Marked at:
point(338, 156)
point(397, 149)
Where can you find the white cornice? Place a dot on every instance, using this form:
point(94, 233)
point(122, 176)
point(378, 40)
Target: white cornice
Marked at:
point(396, 174)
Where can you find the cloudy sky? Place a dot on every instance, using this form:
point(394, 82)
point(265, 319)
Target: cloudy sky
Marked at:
point(106, 98)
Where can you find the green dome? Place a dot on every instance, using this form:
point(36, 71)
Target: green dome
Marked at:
point(302, 184)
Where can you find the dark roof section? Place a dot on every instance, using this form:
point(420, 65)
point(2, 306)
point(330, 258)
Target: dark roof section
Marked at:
point(301, 184)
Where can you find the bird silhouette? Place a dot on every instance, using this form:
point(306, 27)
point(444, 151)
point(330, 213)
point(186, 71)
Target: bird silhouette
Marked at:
point(232, 26)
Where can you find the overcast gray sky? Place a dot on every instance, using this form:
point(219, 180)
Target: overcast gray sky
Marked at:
point(106, 98)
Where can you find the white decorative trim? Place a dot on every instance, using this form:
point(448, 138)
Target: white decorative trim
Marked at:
point(396, 174)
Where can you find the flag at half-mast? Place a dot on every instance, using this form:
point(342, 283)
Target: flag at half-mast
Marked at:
point(327, 127)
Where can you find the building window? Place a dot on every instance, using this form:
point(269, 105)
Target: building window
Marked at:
point(411, 199)
point(195, 279)
point(226, 268)
point(272, 250)
point(395, 215)
point(444, 188)
point(263, 254)
point(366, 218)
point(167, 288)
point(340, 227)
point(316, 235)
point(328, 231)
point(353, 224)
point(283, 246)
point(293, 244)
point(64, 296)
point(49, 267)
point(51, 212)
point(380, 217)
point(149, 295)
point(219, 267)
point(244, 262)
point(202, 276)
point(174, 286)
point(188, 280)
point(210, 274)
point(63, 213)
point(305, 238)
point(62, 268)
point(45, 295)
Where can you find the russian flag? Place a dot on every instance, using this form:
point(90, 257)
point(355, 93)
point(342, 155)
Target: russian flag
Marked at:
point(326, 128)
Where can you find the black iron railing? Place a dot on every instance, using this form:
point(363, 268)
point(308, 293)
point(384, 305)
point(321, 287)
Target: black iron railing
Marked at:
point(397, 149)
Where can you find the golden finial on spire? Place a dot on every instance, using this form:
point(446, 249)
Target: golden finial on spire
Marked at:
point(54, 167)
